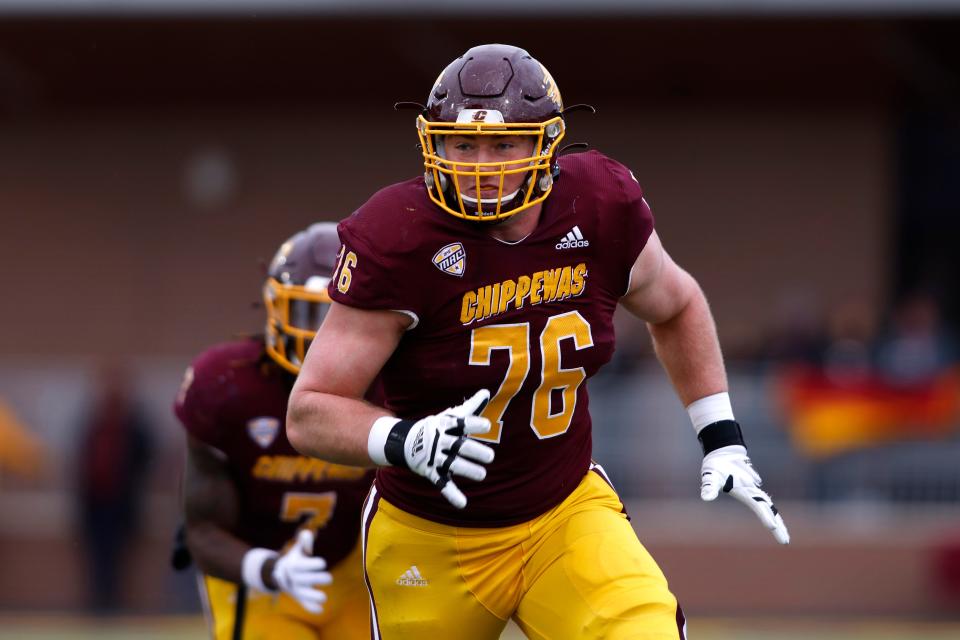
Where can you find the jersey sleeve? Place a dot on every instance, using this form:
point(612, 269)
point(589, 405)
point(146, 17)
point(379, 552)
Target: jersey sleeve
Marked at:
point(198, 402)
point(628, 227)
point(374, 270)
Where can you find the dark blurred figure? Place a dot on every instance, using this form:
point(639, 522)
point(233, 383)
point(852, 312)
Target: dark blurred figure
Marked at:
point(114, 454)
point(917, 348)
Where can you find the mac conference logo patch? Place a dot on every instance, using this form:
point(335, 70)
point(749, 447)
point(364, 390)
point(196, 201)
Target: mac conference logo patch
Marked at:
point(451, 259)
point(263, 430)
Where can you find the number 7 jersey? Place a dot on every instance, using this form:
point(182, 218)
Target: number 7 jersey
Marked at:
point(529, 320)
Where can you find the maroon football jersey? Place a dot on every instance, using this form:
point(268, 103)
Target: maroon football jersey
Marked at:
point(235, 400)
point(529, 320)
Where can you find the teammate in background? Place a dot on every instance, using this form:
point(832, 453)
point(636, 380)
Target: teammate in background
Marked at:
point(276, 534)
point(499, 271)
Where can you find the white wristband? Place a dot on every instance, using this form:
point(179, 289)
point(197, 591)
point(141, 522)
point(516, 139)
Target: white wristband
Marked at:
point(377, 439)
point(252, 568)
point(709, 410)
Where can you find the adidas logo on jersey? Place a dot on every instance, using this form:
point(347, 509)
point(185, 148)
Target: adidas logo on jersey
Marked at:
point(412, 578)
point(573, 240)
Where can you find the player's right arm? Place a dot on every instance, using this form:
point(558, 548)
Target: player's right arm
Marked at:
point(327, 416)
point(376, 300)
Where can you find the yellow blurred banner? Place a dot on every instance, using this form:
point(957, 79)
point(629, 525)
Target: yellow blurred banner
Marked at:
point(827, 417)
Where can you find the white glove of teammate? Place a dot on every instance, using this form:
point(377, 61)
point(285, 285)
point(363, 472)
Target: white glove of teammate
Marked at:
point(728, 469)
point(297, 572)
point(437, 447)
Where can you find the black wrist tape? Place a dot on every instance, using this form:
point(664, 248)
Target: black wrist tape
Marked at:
point(393, 449)
point(720, 434)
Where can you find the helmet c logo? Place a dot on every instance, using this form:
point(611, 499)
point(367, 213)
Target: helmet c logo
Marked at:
point(479, 115)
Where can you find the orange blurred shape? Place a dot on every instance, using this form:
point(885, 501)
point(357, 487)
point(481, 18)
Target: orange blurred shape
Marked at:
point(827, 417)
point(21, 452)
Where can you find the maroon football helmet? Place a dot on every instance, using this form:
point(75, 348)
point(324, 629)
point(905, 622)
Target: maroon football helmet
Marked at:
point(491, 90)
point(295, 292)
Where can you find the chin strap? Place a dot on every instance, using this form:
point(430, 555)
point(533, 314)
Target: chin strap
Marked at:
point(507, 198)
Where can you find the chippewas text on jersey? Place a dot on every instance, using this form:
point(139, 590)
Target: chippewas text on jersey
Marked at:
point(302, 469)
point(540, 287)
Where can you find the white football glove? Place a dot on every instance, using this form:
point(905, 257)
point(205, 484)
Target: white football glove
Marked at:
point(729, 469)
point(437, 447)
point(298, 572)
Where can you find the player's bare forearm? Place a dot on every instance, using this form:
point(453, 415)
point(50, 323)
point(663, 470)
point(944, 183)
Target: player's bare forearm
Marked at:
point(211, 506)
point(689, 350)
point(331, 427)
point(327, 417)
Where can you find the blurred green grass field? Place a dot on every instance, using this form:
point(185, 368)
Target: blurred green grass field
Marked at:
point(55, 627)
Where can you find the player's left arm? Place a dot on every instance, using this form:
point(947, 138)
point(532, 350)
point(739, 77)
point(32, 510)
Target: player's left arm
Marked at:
point(685, 339)
point(679, 319)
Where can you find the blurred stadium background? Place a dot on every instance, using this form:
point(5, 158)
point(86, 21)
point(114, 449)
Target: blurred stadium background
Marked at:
point(802, 159)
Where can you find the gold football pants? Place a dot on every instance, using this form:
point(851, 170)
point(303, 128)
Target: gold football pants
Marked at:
point(577, 571)
point(279, 617)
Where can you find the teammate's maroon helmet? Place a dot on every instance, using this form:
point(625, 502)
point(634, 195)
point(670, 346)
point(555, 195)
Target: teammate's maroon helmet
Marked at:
point(491, 90)
point(295, 292)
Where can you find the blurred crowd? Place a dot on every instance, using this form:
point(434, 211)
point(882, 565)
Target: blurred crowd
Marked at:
point(913, 347)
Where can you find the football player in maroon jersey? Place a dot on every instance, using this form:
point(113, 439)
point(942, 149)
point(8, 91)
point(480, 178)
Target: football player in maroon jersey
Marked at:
point(275, 533)
point(494, 277)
